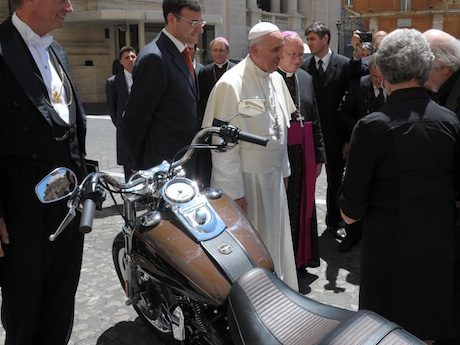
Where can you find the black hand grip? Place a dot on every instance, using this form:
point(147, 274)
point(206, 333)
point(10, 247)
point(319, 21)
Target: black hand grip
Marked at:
point(87, 216)
point(252, 138)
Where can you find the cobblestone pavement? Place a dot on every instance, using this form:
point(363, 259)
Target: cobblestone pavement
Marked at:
point(101, 315)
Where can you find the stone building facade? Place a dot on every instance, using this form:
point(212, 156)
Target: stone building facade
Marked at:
point(96, 30)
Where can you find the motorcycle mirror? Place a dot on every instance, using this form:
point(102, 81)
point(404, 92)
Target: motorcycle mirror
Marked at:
point(57, 185)
point(251, 107)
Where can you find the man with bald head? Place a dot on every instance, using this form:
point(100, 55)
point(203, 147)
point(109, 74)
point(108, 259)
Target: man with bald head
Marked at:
point(444, 79)
point(207, 78)
point(42, 126)
point(377, 38)
point(305, 150)
point(444, 82)
point(250, 174)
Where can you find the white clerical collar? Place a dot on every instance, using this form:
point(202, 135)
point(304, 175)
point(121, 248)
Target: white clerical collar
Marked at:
point(220, 65)
point(29, 36)
point(179, 45)
point(288, 74)
point(325, 59)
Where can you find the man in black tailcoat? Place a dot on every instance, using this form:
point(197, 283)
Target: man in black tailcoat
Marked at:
point(42, 126)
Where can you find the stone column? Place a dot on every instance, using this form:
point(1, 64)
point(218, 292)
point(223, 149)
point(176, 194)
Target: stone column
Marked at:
point(438, 21)
point(251, 4)
point(141, 33)
point(275, 6)
point(292, 7)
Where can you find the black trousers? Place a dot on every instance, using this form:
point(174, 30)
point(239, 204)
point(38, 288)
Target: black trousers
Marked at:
point(40, 279)
point(334, 170)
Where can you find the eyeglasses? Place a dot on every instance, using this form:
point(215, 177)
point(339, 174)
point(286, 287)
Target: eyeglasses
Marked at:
point(293, 55)
point(194, 23)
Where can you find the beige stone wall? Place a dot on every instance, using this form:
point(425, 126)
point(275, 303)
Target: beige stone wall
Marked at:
point(90, 56)
point(91, 53)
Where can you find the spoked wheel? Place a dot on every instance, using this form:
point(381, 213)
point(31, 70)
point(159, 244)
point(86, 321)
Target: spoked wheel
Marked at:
point(155, 317)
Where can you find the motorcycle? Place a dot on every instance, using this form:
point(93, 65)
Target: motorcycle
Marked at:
point(194, 268)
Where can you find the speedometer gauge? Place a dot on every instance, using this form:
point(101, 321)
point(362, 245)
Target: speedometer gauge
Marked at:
point(179, 190)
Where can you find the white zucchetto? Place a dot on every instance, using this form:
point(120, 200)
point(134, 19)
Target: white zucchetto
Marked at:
point(261, 29)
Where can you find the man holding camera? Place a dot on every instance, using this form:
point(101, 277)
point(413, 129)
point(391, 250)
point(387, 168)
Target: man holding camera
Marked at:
point(331, 74)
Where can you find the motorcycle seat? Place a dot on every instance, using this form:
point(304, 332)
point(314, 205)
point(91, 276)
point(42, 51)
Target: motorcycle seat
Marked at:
point(264, 310)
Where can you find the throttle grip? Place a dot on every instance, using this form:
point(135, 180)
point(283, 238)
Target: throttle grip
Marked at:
point(252, 138)
point(87, 216)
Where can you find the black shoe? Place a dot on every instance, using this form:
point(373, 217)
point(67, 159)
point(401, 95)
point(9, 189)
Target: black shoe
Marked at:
point(338, 233)
point(313, 263)
point(346, 245)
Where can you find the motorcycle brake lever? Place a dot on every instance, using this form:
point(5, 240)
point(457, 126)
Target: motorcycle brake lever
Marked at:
point(66, 221)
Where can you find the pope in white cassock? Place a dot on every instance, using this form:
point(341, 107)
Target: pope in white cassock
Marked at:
point(251, 174)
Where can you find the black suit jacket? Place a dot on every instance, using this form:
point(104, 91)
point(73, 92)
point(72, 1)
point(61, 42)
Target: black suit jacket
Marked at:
point(358, 101)
point(161, 115)
point(207, 81)
point(329, 93)
point(27, 137)
point(449, 93)
point(117, 94)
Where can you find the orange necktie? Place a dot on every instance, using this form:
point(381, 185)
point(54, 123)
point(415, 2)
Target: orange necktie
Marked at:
point(188, 61)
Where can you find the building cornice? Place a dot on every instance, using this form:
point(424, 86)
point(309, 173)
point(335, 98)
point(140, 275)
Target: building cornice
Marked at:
point(371, 14)
point(99, 16)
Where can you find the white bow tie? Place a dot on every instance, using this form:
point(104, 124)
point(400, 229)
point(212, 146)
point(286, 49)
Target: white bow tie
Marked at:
point(42, 42)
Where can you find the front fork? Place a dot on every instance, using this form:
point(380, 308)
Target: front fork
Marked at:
point(130, 274)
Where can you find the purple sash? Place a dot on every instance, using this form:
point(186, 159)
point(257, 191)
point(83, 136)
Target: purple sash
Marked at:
point(298, 135)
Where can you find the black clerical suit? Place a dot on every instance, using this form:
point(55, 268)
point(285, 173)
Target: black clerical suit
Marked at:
point(39, 278)
point(359, 101)
point(207, 78)
point(448, 94)
point(329, 90)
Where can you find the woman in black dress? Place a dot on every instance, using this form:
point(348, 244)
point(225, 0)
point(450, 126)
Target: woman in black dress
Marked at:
point(402, 178)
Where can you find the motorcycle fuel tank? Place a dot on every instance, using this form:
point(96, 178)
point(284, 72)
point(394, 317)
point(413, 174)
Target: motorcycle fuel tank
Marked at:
point(194, 260)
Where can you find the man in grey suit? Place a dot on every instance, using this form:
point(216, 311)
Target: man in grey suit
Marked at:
point(42, 126)
point(117, 89)
point(161, 115)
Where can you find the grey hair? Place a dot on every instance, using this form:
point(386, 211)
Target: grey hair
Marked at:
point(447, 53)
point(403, 55)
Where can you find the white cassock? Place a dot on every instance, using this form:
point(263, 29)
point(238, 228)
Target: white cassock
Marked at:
point(253, 171)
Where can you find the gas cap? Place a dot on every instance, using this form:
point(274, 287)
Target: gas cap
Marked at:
point(201, 215)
